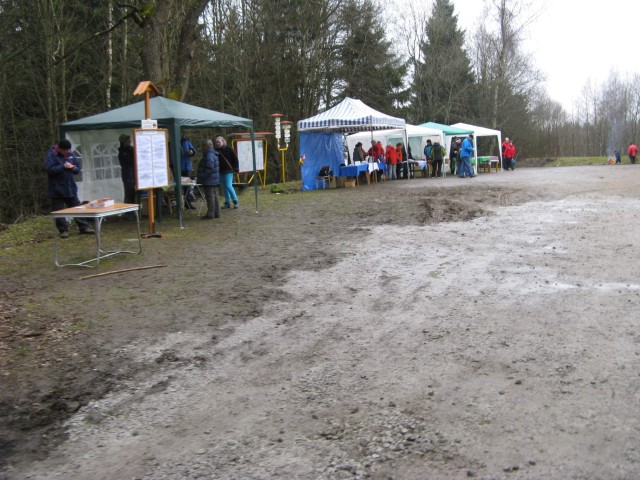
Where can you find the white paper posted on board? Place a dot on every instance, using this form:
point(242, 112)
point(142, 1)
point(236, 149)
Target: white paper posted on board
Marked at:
point(245, 158)
point(152, 166)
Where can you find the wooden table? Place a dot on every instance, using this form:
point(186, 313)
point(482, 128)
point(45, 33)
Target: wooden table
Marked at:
point(98, 215)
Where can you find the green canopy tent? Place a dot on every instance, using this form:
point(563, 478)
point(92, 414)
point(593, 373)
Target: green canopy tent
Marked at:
point(96, 139)
point(449, 133)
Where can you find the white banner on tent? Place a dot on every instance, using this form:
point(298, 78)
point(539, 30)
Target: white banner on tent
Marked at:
point(98, 152)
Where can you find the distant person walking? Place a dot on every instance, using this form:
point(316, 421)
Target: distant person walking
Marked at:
point(632, 151)
point(61, 166)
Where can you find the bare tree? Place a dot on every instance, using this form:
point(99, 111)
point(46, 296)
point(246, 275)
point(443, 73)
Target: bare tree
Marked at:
point(503, 69)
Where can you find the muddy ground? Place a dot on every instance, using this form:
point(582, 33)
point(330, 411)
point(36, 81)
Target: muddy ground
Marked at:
point(436, 329)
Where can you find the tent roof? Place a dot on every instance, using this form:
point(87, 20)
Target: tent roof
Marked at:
point(162, 109)
point(478, 131)
point(446, 129)
point(350, 115)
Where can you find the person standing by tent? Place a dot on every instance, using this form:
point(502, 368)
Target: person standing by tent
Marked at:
point(127, 172)
point(358, 153)
point(61, 166)
point(209, 177)
point(427, 156)
point(508, 156)
point(228, 166)
point(632, 151)
point(391, 159)
point(376, 154)
point(187, 151)
point(465, 156)
point(453, 155)
point(505, 142)
point(437, 155)
point(401, 157)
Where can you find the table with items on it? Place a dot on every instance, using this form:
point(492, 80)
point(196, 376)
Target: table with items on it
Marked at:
point(98, 214)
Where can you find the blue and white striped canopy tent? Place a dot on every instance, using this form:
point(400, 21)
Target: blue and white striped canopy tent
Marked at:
point(321, 139)
point(350, 115)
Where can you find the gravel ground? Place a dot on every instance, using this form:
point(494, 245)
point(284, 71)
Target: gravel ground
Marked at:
point(439, 329)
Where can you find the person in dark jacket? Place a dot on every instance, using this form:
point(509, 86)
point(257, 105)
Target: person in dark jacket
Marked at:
point(453, 155)
point(437, 156)
point(187, 150)
point(228, 166)
point(127, 172)
point(209, 178)
point(61, 166)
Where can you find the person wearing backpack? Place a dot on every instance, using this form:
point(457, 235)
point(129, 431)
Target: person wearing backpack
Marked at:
point(437, 155)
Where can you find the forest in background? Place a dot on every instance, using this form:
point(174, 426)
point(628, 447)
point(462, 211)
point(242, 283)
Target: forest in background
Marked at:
point(65, 59)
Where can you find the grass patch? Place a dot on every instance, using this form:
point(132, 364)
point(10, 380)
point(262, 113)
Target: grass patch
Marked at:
point(32, 230)
point(577, 161)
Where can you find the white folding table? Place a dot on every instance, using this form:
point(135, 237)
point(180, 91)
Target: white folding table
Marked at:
point(98, 215)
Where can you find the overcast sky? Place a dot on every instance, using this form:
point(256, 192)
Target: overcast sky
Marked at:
point(574, 41)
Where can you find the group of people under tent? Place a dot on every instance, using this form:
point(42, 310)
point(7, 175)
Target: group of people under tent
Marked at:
point(215, 172)
point(396, 157)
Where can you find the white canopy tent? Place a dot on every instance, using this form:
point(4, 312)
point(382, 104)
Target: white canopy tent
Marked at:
point(482, 132)
point(321, 136)
point(415, 138)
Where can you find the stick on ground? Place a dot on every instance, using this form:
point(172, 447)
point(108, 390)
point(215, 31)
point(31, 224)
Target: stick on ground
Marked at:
point(121, 271)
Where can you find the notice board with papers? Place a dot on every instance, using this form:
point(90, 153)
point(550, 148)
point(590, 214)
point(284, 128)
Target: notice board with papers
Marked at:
point(152, 158)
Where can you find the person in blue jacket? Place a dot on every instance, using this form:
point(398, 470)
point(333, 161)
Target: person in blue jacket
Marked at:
point(187, 151)
point(61, 166)
point(209, 178)
point(466, 151)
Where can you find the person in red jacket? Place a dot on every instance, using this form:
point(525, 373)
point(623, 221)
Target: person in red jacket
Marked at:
point(508, 156)
point(632, 152)
point(391, 159)
point(505, 145)
point(400, 157)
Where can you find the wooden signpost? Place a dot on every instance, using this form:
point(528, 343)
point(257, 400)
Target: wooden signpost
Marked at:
point(151, 154)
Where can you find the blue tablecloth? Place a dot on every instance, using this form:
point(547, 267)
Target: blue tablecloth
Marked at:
point(352, 170)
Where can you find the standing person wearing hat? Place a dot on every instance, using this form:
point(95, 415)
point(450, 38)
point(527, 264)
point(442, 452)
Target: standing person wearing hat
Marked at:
point(61, 165)
point(466, 150)
point(127, 172)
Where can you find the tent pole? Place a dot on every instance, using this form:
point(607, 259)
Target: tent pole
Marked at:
point(177, 168)
point(253, 153)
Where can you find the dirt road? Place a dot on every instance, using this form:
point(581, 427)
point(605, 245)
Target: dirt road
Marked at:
point(423, 329)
